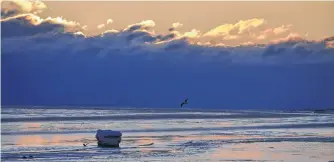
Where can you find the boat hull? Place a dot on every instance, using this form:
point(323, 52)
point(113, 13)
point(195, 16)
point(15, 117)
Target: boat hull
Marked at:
point(108, 138)
point(101, 144)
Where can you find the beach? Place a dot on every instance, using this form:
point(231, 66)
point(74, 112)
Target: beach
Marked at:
point(182, 135)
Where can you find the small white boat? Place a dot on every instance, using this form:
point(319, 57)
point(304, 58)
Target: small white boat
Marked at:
point(108, 138)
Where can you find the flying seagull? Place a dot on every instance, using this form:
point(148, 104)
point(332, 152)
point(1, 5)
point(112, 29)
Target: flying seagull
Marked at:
point(184, 102)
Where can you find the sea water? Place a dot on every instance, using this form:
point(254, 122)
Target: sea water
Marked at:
point(180, 135)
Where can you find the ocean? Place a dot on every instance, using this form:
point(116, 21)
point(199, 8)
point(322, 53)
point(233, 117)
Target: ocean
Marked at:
point(177, 135)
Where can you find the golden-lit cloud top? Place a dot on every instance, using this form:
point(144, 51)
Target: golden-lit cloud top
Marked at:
point(239, 28)
point(14, 7)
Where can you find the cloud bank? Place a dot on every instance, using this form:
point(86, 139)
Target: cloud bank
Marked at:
point(50, 61)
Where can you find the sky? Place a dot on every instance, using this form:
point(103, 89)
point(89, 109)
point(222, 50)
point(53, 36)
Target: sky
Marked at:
point(264, 21)
point(310, 19)
point(155, 54)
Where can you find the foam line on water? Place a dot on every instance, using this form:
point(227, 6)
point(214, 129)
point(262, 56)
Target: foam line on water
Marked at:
point(154, 117)
point(281, 126)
